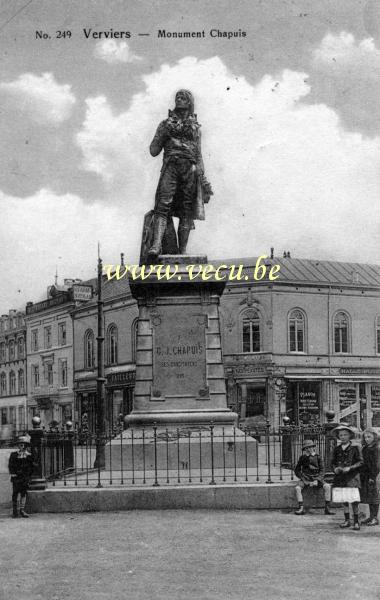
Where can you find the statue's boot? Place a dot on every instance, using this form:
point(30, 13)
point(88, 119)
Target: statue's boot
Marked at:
point(158, 233)
point(183, 236)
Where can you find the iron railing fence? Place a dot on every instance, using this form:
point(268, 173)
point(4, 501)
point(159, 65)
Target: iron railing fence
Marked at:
point(187, 455)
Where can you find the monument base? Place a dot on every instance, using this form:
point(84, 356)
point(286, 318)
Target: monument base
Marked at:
point(172, 449)
point(180, 379)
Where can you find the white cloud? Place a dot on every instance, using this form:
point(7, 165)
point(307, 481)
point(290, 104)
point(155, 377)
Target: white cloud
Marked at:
point(47, 230)
point(113, 52)
point(45, 100)
point(342, 51)
point(284, 173)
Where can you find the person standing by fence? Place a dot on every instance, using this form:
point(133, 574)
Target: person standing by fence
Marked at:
point(346, 464)
point(310, 471)
point(369, 472)
point(20, 468)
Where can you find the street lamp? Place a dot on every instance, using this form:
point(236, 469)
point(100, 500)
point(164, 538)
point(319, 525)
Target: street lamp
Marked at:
point(100, 380)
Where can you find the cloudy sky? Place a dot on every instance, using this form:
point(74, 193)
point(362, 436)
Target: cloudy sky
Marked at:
point(290, 118)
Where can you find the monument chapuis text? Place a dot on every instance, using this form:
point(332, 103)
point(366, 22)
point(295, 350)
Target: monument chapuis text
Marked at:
point(180, 381)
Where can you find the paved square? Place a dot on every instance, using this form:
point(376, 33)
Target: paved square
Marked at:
point(261, 555)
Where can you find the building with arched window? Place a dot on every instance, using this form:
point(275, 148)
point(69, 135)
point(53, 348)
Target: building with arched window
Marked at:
point(111, 345)
point(296, 346)
point(120, 312)
point(12, 359)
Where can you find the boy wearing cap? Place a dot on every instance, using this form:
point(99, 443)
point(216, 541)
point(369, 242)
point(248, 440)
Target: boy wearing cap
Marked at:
point(310, 472)
point(20, 468)
point(346, 463)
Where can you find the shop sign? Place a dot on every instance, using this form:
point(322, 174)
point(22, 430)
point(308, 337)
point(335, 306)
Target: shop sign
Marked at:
point(242, 370)
point(359, 371)
point(308, 402)
point(121, 378)
point(375, 397)
point(82, 292)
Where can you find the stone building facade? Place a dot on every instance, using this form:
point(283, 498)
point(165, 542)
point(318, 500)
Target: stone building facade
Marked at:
point(120, 322)
point(13, 373)
point(49, 342)
point(308, 342)
point(297, 346)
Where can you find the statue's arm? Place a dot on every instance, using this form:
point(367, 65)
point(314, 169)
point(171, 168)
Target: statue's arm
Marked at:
point(158, 140)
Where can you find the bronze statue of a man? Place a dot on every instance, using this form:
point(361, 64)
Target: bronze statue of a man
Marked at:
point(182, 188)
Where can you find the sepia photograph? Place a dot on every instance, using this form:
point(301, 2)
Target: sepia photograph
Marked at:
point(190, 299)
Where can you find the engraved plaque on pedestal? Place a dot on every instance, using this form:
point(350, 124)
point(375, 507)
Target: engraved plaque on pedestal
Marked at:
point(179, 354)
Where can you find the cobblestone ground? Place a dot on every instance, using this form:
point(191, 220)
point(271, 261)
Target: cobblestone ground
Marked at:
point(258, 555)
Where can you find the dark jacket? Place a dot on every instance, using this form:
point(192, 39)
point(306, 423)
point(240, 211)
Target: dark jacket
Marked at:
point(310, 468)
point(352, 458)
point(369, 471)
point(20, 469)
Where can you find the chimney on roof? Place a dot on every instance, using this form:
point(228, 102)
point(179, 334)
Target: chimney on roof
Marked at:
point(272, 252)
point(284, 255)
point(288, 254)
point(122, 259)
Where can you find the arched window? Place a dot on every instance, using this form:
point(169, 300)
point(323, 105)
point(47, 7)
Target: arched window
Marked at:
point(297, 331)
point(251, 331)
point(11, 350)
point(21, 381)
point(3, 384)
point(89, 357)
point(134, 339)
point(12, 383)
point(112, 345)
point(20, 347)
point(378, 335)
point(341, 333)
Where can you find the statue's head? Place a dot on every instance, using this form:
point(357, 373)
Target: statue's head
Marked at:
point(184, 101)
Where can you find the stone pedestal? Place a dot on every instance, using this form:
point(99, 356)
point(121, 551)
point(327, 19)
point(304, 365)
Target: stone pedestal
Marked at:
point(179, 370)
point(180, 399)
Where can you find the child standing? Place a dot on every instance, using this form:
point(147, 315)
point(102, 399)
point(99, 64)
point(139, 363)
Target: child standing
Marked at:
point(346, 463)
point(369, 472)
point(20, 468)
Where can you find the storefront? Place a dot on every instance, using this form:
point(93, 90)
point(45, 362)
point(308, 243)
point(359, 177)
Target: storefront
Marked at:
point(119, 399)
point(304, 402)
point(248, 392)
point(357, 399)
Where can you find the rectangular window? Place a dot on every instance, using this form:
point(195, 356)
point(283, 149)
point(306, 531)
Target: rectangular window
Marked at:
point(341, 339)
point(378, 341)
point(35, 376)
point(11, 350)
point(49, 373)
point(2, 351)
point(4, 416)
point(12, 415)
point(21, 349)
point(21, 417)
point(62, 334)
point(63, 372)
point(34, 341)
point(47, 336)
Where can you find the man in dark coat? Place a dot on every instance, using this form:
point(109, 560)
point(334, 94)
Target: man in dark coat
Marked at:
point(20, 468)
point(310, 471)
point(182, 189)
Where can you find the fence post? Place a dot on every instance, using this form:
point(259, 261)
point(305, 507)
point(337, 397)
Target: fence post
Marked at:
point(37, 481)
point(330, 443)
point(267, 435)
